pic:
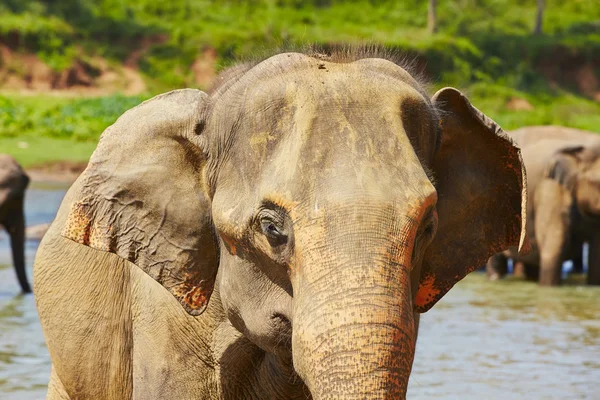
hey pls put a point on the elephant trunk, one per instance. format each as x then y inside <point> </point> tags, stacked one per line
<point>551,257</point>
<point>354,327</point>
<point>16,231</point>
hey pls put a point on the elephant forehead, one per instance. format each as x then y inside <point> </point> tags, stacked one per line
<point>321,129</point>
<point>307,96</point>
<point>368,142</point>
<point>297,78</point>
<point>362,112</point>
<point>301,66</point>
<point>333,86</point>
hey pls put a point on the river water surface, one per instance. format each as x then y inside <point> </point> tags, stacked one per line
<point>483,340</point>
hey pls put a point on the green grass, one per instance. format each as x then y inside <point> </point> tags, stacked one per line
<point>561,108</point>
<point>39,129</point>
<point>32,151</point>
<point>65,118</point>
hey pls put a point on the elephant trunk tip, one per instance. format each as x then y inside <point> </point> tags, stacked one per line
<point>22,278</point>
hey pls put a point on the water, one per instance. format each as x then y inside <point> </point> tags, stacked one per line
<point>24,360</point>
<point>509,340</point>
<point>484,340</point>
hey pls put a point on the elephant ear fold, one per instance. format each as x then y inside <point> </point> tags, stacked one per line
<point>481,185</point>
<point>142,197</point>
<point>565,164</point>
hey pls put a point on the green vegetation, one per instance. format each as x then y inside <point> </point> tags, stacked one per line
<point>61,118</point>
<point>35,151</point>
<point>483,40</point>
<point>41,129</point>
<point>483,46</point>
<point>565,109</point>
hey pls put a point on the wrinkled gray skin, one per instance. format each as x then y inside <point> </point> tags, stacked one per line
<point>13,183</point>
<point>301,190</point>
<point>563,174</point>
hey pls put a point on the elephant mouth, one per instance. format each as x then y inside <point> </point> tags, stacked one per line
<point>282,321</point>
<point>283,326</point>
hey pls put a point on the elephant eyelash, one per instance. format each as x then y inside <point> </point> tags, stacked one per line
<point>430,174</point>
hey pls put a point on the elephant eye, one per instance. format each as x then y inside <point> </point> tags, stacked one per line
<point>272,226</point>
<point>273,222</point>
<point>426,232</point>
<point>274,233</point>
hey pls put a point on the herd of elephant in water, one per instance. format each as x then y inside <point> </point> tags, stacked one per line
<point>563,209</point>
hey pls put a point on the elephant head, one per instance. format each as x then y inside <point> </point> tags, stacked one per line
<point>587,193</point>
<point>13,183</point>
<point>326,202</point>
<point>577,169</point>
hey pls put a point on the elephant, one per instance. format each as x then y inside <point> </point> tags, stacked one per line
<point>530,135</point>
<point>13,183</point>
<point>275,237</point>
<point>563,170</point>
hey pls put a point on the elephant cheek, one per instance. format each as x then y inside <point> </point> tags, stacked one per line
<point>588,198</point>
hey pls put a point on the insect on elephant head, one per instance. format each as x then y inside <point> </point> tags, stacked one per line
<point>326,201</point>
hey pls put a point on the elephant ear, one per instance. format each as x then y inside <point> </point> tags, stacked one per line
<point>565,164</point>
<point>481,185</point>
<point>142,197</point>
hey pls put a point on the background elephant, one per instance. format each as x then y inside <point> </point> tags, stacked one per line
<point>563,174</point>
<point>13,183</point>
<point>275,238</point>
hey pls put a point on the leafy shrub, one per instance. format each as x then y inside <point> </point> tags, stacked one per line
<point>78,119</point>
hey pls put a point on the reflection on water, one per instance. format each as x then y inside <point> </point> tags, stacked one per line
<point>484,340</point>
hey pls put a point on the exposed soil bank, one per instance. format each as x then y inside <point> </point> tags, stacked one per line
<point>90,76</point>
<point>65,172</point>
<point>87,76</point>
